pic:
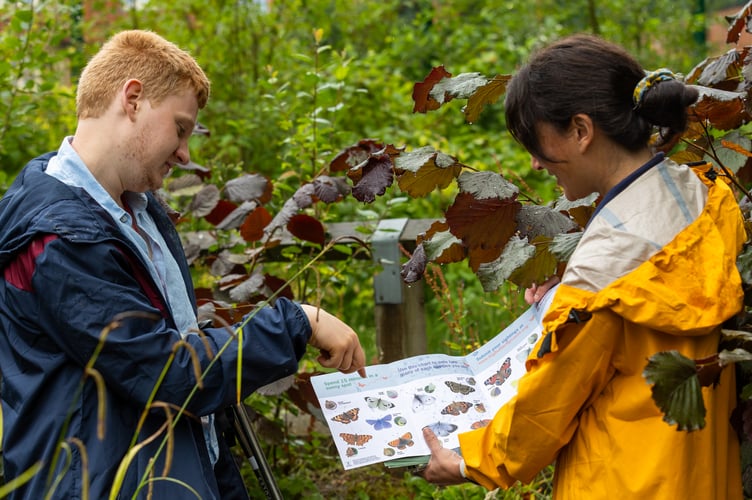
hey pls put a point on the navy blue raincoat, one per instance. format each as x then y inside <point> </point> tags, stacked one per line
<point>68,273</point>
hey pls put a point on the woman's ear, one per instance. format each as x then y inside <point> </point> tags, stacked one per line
<point>130,97</point>
<point>583,130</point>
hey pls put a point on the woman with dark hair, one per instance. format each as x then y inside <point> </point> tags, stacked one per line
<point>655,271</point>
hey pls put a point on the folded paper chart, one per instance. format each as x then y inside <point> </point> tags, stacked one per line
<point>380,418</point>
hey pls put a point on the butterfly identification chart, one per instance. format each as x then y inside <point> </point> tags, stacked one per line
<point>381,417</point>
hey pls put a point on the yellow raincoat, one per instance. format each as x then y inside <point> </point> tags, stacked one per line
<point>655,271</point>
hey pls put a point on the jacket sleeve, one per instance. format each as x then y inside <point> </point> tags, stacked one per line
<point>527,433</point>
<point>83,288</point>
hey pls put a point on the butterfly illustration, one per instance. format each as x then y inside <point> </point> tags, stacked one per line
<point>502,375</point>
<point>381,404</point>
<point>330,405</point>
<point>442,429</point>
<point>351,451</point>
<point>471,381</point>
<point>459,388</point>
<point>421,400</point>
<point>380,423</point>
<point>480,423</point>
<point>347,417</point>
<point>456,408</point>
<point>480,407</point>
<point>403,441</point>
<point>355,439</point>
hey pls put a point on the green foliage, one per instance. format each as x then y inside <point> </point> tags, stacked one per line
<point>290,84</point>
<point>39,49</point>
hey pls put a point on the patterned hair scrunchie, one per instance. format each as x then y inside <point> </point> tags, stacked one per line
<point>650,79</point>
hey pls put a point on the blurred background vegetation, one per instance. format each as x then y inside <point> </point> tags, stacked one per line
<point>296,81</point>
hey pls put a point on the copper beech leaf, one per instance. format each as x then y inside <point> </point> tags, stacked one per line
<point>579,210</point>
<point>487,94</point>
<point>423,101</point>
<point>424,170</point>
<point>249,187</point>
<point>540,220</point>
<point>255,223</point>
<point>330,189</point>
<point>185,185</point>
<point>483,215</point>
<point>440,245</point>
<point>539,267</point>
<point>235,219</point>
<point>484,226</point>
<point>563,245</point>
<point>741,21</point>
<point>205,200</point>
<point>720,72</point>
<point>483,185</point>
<point>722,109</point>
<point>280,220</point>
<point>221,211</point>
<point>372,177</point>
<point>249,288</point>
<point>355,155</point>
<point>494,273</point>
<point>307,228</point>
<point>415,267</point>
<point>676,389</point>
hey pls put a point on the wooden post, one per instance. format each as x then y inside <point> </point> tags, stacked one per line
<point>398,310</point>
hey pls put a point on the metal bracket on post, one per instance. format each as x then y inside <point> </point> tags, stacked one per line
<point>387,285</point>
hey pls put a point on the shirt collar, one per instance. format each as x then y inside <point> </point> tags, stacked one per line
<point>624,183</point>
<point>68,167</point>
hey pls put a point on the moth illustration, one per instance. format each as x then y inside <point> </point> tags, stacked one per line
<point>456,408</point>
<point>442,429</point>
<point>459,388</point>
<point>347,417</point>
<point>501,375</point>
<point>421,400</point>
<point>355,439</point>
<point>380,423</point>
<point>381,404</point>
<point>403,441</point>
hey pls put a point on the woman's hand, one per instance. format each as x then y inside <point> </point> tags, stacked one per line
<point>536,292</point>
<point>444,465</point>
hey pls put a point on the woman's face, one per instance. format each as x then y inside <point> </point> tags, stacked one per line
<point>563,160</point>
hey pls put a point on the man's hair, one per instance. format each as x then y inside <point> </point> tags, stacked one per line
<point>162,67</point>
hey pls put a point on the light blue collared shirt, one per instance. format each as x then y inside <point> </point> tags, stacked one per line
<point>68,168</point>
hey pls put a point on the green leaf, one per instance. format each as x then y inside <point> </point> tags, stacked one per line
<point>676,389</point>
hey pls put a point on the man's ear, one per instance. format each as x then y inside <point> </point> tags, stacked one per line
<point>584,130</point>
<point>131,97</point>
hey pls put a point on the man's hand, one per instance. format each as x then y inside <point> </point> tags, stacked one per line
<point>444,466</point>
<point>338,343</point>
